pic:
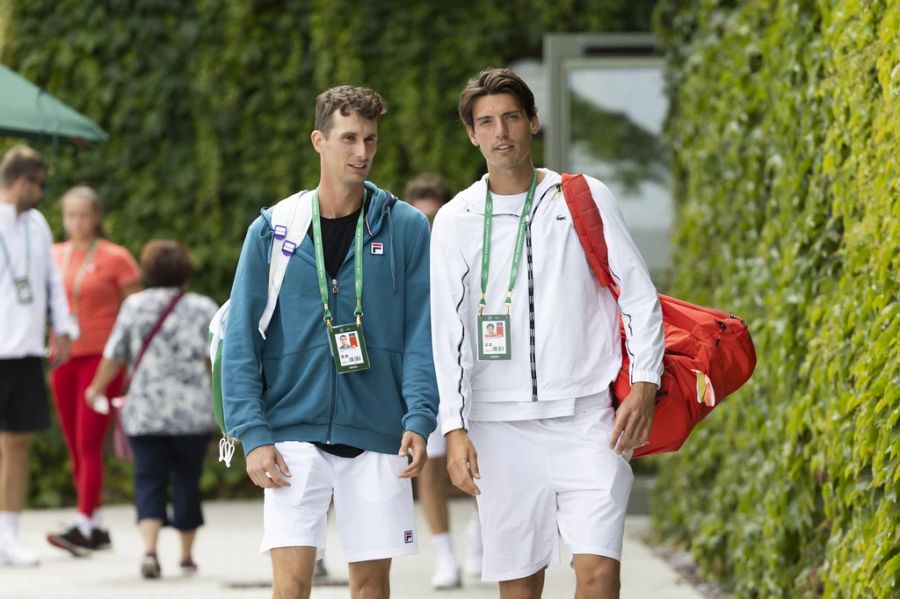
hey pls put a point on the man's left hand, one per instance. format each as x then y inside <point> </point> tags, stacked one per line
<point>416,443</point>
<point>634,418</point>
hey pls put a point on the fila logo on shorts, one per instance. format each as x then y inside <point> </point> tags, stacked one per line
<point>408,537</point>
<point>377,248</point>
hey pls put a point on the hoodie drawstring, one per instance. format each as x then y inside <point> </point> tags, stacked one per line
<point>390,221</point>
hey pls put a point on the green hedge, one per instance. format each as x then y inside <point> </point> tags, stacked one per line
<point>209,106</point>
<point>785,131</point>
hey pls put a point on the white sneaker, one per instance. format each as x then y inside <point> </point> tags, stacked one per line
<point>474,549</point>
<point>446,576</point>
<point>12,553</point>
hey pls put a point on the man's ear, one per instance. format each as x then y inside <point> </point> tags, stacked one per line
<point>19,184</point>
<point>471,133</point>
<point>317,138</point>
<point>535,125</point>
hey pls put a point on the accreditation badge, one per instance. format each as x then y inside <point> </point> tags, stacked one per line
<point>493,337</point>
<point>23,291</point>
<point>348,348</point>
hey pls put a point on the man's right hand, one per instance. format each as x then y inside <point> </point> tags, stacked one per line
<point>267,469</point>
<point>60,351</point>
<point>462,461</point>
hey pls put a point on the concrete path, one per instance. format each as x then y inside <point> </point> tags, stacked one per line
<point>231,566</point>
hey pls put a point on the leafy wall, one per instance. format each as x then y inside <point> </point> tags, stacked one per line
<point>209,106</point>
<point>785,131</point>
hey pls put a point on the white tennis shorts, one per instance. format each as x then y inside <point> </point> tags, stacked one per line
<point>543,478</point>
<point>373,508</point>
<point>437,445</point>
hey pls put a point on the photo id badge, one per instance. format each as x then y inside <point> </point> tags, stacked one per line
<point>493,337</point>
<point>23,291</point>
<point>348,347</point>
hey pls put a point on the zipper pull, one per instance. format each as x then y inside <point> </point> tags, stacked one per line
<point>334,287</point>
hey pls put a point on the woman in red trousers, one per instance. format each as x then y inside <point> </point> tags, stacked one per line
<point>97,275</point>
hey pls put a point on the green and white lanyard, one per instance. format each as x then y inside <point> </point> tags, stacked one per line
<point>79,276</point>
<point>348,347</point>
<point>23,287</point>
<point>493,329</point>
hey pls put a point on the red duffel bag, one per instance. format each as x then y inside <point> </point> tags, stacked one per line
<point>709,353</point>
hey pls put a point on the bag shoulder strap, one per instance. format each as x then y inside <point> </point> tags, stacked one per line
<point>290,221</point>
<point>589,226</point>
<point>156,328</point>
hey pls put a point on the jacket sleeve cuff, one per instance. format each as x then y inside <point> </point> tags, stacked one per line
<point>68,328</point>
<point>255,437</point>
<point>645,376</point>
<point>419,424</point>
<point>451,425</point>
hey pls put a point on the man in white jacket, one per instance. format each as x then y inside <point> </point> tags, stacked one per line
<point>30,286</point>
<point>533,397</point>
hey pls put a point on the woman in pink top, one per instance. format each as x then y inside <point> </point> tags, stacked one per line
<point>97,275</point>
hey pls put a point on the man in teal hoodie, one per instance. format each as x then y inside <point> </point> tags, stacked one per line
<point>318,421</point>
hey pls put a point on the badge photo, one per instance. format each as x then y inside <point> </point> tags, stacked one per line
<point>349,348</point>
<point>493,337</point>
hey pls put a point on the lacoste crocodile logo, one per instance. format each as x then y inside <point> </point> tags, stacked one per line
<point>560,217</point>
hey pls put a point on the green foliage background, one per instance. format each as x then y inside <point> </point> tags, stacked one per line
<point>209,106</point>
<point>785,131</point>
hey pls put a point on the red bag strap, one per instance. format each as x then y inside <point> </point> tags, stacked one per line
<point>156,327</point>
<point>589,226</point>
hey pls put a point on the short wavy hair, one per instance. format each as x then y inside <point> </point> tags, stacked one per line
<point>166,263</point>
<point>344,99</point>
<point>427,185</point>
<point>493,81</point>
<point>21,161</point>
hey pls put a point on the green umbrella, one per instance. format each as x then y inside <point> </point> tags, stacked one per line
<point>29,112</point>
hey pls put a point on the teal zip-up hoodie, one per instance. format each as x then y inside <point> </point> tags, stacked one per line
<point>285,387</point>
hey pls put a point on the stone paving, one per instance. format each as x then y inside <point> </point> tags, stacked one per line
<point>230,565</point>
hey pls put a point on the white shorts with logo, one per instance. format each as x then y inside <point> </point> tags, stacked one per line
<point>373,508</point>
<point>545,478</point>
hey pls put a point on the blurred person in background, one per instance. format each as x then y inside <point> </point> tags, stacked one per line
<point>97,275</point>
<point>429,192</point>
<point>29,287</point>
<point>161,333</point>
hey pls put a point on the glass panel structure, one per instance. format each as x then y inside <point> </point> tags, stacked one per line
<point>608,105</point>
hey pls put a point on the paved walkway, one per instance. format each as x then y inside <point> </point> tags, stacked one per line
<point>231,566</point>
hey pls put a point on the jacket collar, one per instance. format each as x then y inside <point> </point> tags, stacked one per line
<point>382,201</point>
<point>479,188</point>
<point>380,204</point>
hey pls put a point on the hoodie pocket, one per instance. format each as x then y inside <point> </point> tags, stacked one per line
<point>299,388</point>
<point>373,399</point>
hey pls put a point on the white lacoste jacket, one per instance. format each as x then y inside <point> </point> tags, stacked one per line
<point>564,327</point>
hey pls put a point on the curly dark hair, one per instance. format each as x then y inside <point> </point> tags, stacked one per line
<point>346,98</point>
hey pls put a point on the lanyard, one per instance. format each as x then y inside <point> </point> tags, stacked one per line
<point>9,265</point>
<point>79,276</point>
<point>486,242</point>
<point>320,259</point>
